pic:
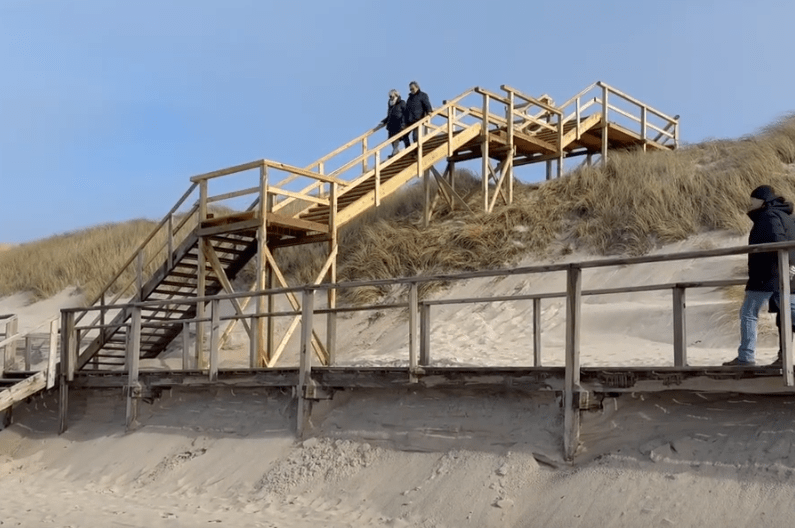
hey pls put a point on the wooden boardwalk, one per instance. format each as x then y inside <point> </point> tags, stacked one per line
<point>169,291</point>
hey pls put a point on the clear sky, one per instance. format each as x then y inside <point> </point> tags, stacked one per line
<point>107,108</point>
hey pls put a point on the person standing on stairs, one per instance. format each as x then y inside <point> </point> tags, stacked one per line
<point>770,214</point>
<point>418,105</point>
<point>395,120</point>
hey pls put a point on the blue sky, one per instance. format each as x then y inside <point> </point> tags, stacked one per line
<point>109,107</point>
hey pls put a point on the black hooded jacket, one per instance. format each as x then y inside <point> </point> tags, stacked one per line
<point>417,106</point>
<point>395,119</point>
<point>772,223</point>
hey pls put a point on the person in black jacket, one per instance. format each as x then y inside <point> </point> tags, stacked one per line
<point>770,214</point>
<point>395,120</point>
<point>418,105</point>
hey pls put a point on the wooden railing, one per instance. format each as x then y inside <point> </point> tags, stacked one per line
<point>419,329</point>
<point>600,98</point>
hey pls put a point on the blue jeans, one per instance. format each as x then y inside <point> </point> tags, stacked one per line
<point>749,315</point>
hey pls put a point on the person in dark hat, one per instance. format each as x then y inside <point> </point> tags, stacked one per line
<point>770,214</point>
<point>395,120</point>
<point>418,105</point>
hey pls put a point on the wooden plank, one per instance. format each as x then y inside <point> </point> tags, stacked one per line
<point>296,223</point>
<point>225,172</point>
<point>212,256</point>
<point>23,389</point>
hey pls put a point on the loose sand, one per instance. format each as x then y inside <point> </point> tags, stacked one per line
<point>428,457</point>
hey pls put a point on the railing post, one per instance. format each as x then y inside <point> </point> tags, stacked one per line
<point>215,314</point>
<point>263,275</point>
<point>203,201</point>
<point>364,152</point>
<point>785,314</point>
<point>139,274</point>
<point>511,147</point>
<point>425,334</point>
<point>170,241</point>
<point>377,179</point>
<point>536,332</point>
<point>561,153</point>
<point>643,127</point>
<point>253,344</point>
<point>484,134</point>
<point>67,339</point>
<point>10,348</point>
<point>331,294</point>
<point>680,328</point>
<point>571,393</point>
<point>450,118</point>
<point>52,356</point>
<point>186,363</point>
<point>413,341</point>
<point>305,361</point>
<point>133,361</point>
<point>28,351</point>
<point>604,124</point>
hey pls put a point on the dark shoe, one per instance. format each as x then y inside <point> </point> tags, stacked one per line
<point>736,362</point>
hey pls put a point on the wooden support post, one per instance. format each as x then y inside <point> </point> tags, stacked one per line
<point>484,141</point>
<point>413,341</point>
<point>10,348</point>
<point>133,361</point>
<point>139,276</point>
<point>170,241</point>
<point>549,170</point>
<point>426,182</point>
<point>63,404</point>
<point>263,276</point>
<point>536,332</point>
<point>643,127</point>
<point>69,346</point>
<point>364,154</point>
<point>52,355</point>
<point>451,175</point>
<point>305,361</point>
<point>215,329</point>
<point>508,166</point>
<point>201,290</point>
<point>425,334</point>
<point>571,393</point>
<point>561,153</point>
<point>67,331</point>
<point>186,346</point>
<point>680,328</point>
<point>785,314</point>
<point>253,351</point>
<point>377,190</point>
<point>28,352</point>
<point>605,116</point>
<point>450,121</point>
<point>331,293</point>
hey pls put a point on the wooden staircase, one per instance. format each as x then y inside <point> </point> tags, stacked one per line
<point>523,129</point>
